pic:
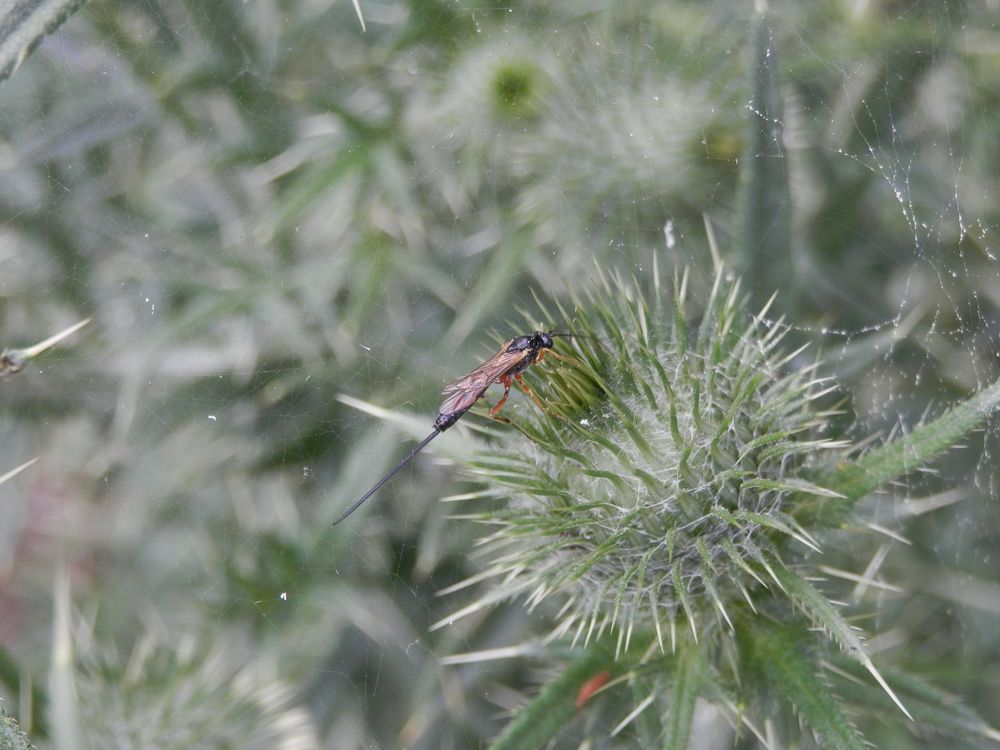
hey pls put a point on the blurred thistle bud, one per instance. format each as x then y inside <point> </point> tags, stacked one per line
<point>187,697</point>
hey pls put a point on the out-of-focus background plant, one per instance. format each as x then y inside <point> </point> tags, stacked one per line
<point>263,208</point>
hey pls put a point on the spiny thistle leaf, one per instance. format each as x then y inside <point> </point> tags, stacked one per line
<point>687,686</point>
<point>546,715</point>
<point>931,707</point>
<point>821,611</point>
<point>775,654</point>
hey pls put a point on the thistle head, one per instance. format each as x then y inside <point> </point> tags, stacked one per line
<point>661,485</point>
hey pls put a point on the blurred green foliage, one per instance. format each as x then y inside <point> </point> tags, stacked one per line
<point>262,208</point>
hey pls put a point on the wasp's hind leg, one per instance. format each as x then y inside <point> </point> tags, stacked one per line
<point>505,381</point>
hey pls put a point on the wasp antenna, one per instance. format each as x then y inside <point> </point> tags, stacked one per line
<point>378,485</point>
<point>574,335</point>
<point>589,336</point>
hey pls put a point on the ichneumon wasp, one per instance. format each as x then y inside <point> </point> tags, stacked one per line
<point>504,367</point>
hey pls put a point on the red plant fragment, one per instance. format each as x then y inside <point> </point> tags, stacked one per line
<point>590,687</point>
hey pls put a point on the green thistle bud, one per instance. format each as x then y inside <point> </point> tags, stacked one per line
<point>660,487</point>
<point>665,499</point>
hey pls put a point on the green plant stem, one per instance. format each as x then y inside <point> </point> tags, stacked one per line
<point>764,198</point>
<point>896,459</point>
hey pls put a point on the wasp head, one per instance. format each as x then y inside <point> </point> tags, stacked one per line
<point>536,341</point>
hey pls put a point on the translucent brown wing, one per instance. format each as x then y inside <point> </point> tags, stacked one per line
<point>458,397</point>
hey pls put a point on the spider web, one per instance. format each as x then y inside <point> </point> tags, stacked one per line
<point>266,210</point>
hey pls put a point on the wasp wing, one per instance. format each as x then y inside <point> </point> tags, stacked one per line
<point>458,397</point>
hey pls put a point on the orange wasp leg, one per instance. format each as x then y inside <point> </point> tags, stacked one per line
<point>505,381</point>
<point>542,354</point>
<point>528,392</point>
